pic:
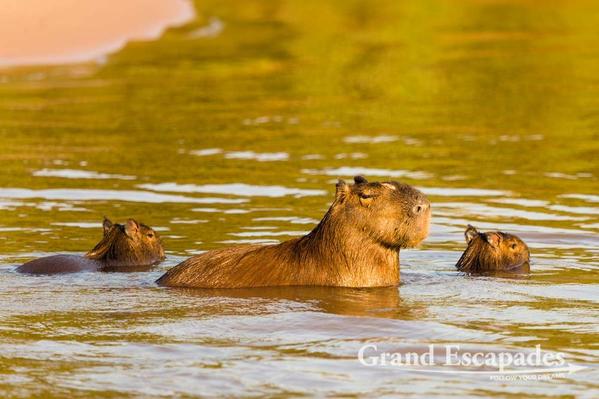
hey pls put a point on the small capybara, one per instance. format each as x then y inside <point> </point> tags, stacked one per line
<point>122,248</point>
<point>493,252</point>
<point>356,244</point>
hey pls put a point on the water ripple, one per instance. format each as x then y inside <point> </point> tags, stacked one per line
<point>241,189</point>
<point>75,194</point>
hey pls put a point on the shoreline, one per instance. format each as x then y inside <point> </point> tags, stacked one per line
<point>38,32</point>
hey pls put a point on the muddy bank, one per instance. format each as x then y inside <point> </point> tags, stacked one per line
<point>34,32</point>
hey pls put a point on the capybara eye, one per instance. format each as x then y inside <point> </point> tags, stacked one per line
<point>365,196</point>
<point>514,246</point>
<point>150,235</point>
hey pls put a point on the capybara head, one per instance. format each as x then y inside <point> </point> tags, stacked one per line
<point>493,251</point>
<point>128,244</point>
<point>393,214</point>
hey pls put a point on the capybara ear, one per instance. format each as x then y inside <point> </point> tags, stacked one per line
<point>470,233</point>
<point>360,180</point>
<point>493,238</point>
<point>341,190</point>
<point>131,228</point>
<point>106,225</point>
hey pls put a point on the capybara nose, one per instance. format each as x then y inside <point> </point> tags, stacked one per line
<point>421,207</point>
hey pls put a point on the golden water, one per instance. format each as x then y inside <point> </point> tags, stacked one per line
<point>234,129</point>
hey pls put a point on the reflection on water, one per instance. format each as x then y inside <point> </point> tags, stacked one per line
<point>79,174</point>
<point>242,189</point>
<point>235,128</point>
<point>109,195</point>
<point>353,171</point>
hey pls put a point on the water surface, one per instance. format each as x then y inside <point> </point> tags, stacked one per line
<point>234,129</point>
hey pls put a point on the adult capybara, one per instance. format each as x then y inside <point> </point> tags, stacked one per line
<point>356,244</point>
<point>493,252</point>
<point>122,248</point>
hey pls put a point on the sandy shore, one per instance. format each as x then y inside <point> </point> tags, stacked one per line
<point>63,31</point>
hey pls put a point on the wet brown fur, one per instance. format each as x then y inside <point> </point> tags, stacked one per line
<point>493,252</point>
<point>122,248</point>
<point>128,245</point>
<point>356,244</point>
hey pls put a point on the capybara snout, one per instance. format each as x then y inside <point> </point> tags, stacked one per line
<point>397,213</point>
